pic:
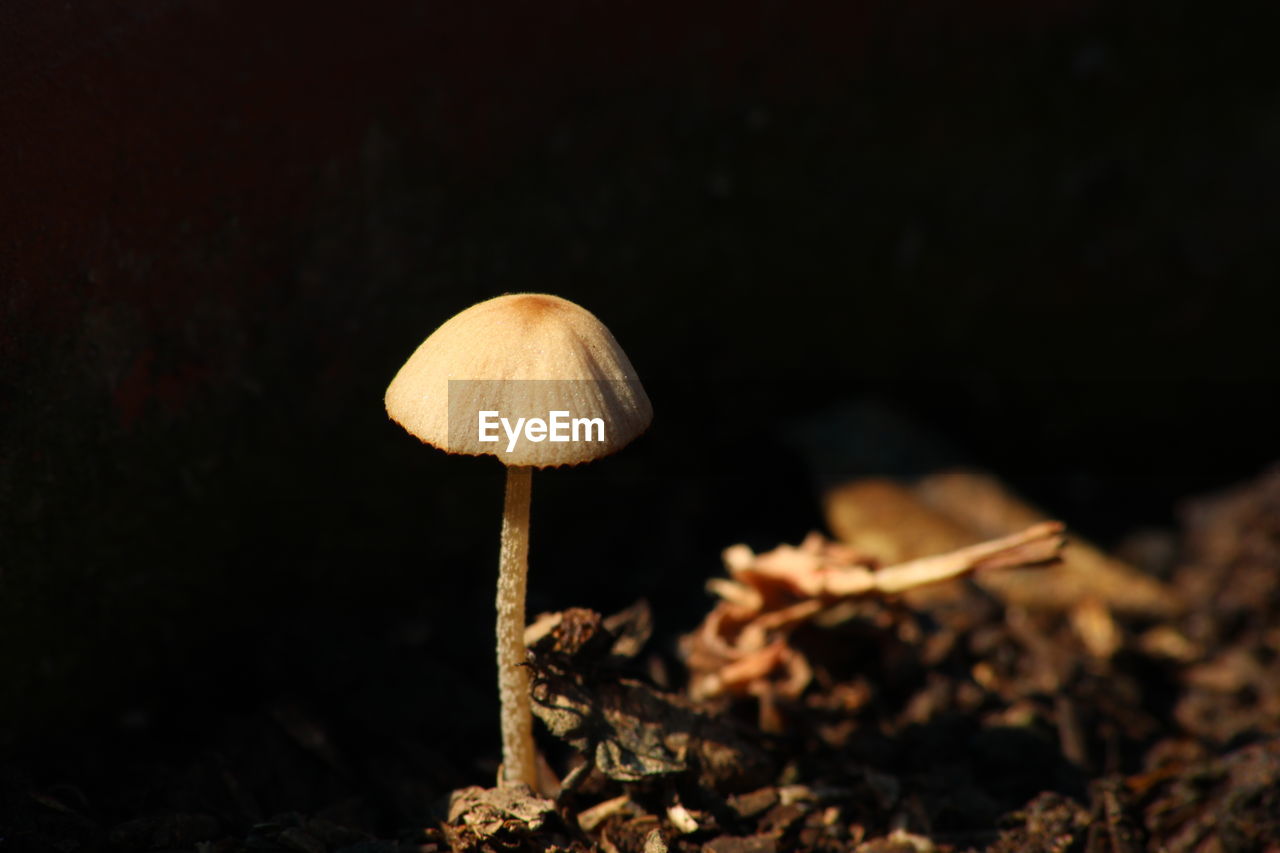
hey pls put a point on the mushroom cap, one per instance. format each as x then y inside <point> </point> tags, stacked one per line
<point>523,355</point>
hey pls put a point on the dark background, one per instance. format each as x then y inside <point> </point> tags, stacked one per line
<point>834,238</point>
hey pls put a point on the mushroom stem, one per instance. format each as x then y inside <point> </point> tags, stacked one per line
<point>518,756</point>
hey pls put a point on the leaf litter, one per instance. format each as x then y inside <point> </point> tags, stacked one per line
<point>949,674</point>
<point>1023,692</point>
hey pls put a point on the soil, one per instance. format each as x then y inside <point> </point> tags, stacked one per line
<point>956,721</point>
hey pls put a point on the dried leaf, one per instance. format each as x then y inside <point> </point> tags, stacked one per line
<point>982,504</point>
<point>742,646</point>
<point>498,817</point>
<point>626,729</point>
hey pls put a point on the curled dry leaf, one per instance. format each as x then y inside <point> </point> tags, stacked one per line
<point>742,646</point>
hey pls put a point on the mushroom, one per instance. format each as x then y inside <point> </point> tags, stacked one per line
<point>537,381</point>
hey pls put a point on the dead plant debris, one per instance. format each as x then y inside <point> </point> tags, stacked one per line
<point>626,729</point>
<point>502,818</point>
<point>853,695</point>
<point>743,648</point>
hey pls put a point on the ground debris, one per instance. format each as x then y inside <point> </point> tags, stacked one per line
<point>164,832</point>
<point>626,729</point>
<point>952,509</point>
<point>1233,800</point>
<point>741,844</point>
<point>743,646</point>
<point>898,841</point>
<point>949,718</point>
<point>298,833</point>
<point>1232,649</point>
<point>503,818</point>
<point>754,803</point>
<point>1112,828</point>
<point>1050,823</point>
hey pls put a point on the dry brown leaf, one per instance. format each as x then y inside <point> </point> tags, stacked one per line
<point>742,646</point>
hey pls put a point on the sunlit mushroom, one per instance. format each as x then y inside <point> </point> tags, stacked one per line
<point>536,381</point>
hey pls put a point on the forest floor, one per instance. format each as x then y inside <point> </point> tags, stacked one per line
<point>841,695</point>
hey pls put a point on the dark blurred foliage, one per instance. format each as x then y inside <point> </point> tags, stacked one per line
<point>834,239</point>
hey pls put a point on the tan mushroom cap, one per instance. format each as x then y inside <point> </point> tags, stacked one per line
<point>524,355</point>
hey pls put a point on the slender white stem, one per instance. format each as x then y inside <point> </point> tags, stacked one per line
<point>519,758</point>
